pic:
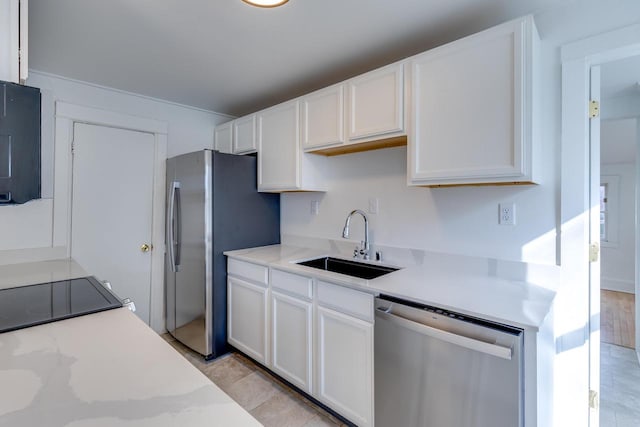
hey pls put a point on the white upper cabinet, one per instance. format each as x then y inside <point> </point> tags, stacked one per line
<point>244,135</point>
<point>13,40</point>
<point>223,138</point>
<point>281,164</point>
<point>323,118</point>
<point>375,104</point>
<point>278,143</point>
<point>472,109</point>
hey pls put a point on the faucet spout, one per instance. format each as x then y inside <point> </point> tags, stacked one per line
<point>364,251</point>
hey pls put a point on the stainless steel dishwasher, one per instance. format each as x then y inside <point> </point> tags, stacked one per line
<point>437,368</point>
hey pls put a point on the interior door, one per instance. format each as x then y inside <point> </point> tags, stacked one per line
<point>111,211</point>
<point>594,241</point>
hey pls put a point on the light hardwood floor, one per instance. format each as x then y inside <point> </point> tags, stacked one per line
<point>269,400</point>
<point>619,368</point>
<point>617,318</point>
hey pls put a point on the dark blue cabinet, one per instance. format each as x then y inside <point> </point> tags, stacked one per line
<point>19,143</point>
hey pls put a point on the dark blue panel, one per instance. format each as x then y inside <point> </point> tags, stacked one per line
<point>242,218</point>
<point>19,143</point>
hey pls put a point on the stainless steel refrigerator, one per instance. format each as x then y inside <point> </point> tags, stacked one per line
<point>212,206</point>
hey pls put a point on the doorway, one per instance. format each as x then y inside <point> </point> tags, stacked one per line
<point>619,177</point>
<point>72,124</point>
<point>580,213</point>
<point>111,208</point>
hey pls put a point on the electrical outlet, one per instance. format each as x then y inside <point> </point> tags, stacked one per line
<point>315,207</point>
<point>507,214</point>
<point>374,205</point>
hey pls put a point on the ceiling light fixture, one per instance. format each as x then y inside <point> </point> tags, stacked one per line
<point>266,3</point>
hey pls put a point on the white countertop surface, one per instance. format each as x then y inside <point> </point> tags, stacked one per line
<point>105,370</point>
<point>491,289</point>
<point>29,273</point>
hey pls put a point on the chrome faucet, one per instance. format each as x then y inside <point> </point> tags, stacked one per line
<point>358,252</point>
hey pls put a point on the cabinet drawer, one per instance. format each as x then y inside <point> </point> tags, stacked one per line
<point>292,283</point>
<point>255,272</point>
<point>345,300</point>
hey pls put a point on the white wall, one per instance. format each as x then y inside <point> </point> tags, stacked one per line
<point>618,165</point>
<point>455,220</point>
<point>27,229</point>
<point>618,255</point>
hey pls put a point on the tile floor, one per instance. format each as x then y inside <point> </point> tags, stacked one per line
<point>268,399</point>
<point>619,387</point>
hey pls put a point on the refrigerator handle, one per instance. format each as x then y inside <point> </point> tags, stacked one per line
<point>178,238</point>
<point>171,226</point>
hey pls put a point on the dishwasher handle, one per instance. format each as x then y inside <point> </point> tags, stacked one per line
<point>460,340</point>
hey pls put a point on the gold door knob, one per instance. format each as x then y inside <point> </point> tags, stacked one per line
<point>145,247</point>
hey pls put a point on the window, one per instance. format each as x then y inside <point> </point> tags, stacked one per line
<point>609,201</point>
<point>603,212</point>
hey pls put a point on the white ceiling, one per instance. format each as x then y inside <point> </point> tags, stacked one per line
<point>229,57</point>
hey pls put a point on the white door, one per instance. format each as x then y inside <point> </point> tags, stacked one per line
<point>345,365</point>
<point>594,239</point>
<point>376,103</point>
<point>323,117</point>
<point>223,137</point>
<point>112,199</point>
<point>291,339</point>
<point>279,147</point>
<point>247,318</point>
<point>244,134</point>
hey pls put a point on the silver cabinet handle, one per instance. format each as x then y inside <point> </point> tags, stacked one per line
<point>460,340</point>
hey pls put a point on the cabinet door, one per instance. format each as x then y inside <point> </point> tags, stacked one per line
<point>279,147</point>
<point>323,118</point>
<point>223,138</point>
<point>291,339</point>
<point>345,365</point>
<point>376,103</point>
<point>247,318</point>
<point>13,40</point>
<point>244,135</point>
<point>472,109</point>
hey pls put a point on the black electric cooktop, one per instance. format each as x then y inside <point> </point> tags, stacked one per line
<point>32,305</point>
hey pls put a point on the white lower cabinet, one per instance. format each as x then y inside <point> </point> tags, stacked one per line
<point>315,334</point>
<point>247,318</point>
<point>345,365</point>
<point>292,321</point>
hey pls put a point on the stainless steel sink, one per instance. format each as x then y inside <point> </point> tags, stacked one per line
<point>350,268</point>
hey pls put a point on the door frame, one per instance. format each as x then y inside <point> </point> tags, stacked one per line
<point>577,58</point>
<point>66,115</point>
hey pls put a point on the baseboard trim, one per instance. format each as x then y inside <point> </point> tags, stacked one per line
<point>619,285</point>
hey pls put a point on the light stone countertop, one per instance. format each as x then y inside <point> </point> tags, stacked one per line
<point>507,292</point>
<point>29,273</point>
<point>106,369</point>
